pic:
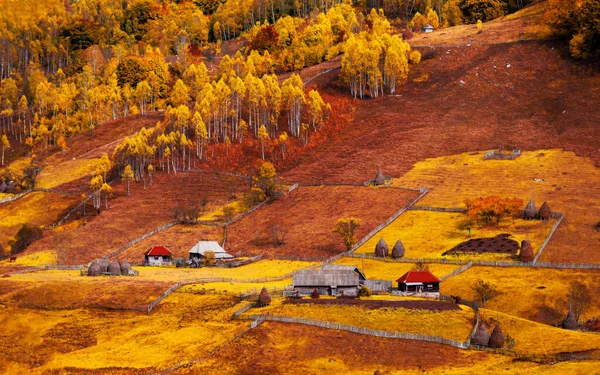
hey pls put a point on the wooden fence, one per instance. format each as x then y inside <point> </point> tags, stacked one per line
<point>240,262</point>
<point>438,209</point>
<point>456,271</point>
<point>359,330</point>
<point>140,238</point>
<point>173,288</point>
<point>423,191</point>
<point>15,197</point>
<point>242,310</point>
<point>560,219</point>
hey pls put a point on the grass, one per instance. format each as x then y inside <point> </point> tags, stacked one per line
<point>308,215</point>
<point>540,339</point>
<point>536,294</point>
<point>34,209</point>
<point>67,171</point>
<point>456,324</point>
<point>381,270</point>
<point>260,269</point>
<point>427,234</point>
<point>185,327</point>
<point>566,187</point>
<point>526,24</point>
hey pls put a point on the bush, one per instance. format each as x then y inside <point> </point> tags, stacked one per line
<point>414,57</point>
<point>25,237</point>
<point>315,294</point>
<point>364,292</point>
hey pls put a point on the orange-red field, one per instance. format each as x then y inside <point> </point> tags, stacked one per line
<point>309,214</point>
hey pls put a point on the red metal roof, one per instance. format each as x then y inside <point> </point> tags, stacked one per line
<point>418,277</point>
<point>159,250</point>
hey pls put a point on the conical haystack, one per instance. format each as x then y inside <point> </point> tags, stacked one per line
<point>103,263</point>
<point>481,337</point>
<point>377,372</point>
<point>114,268</point>
<point>381,249</point>
<point>125,267</point>
<point>497,337</point>
<point>569,322</point>
<point>379,178</point>
<point>264,298</point>
<point>530,211</point>
<point>526,254</point>
<point>94,270</point>
<point>545,212</point>
<point>315,294</point>
<point>398,250</point>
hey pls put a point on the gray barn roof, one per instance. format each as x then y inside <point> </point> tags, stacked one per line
<point>341,267</point>
<point>327,278</point>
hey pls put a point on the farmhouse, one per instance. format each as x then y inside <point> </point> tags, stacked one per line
<point>201,248</point>
<point>335,279</point>
<point>157,256</point>
<point>427,28</point>
<point>330,282</point>
<point>419,283</point>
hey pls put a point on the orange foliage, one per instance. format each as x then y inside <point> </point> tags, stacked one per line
<point>492,209</point>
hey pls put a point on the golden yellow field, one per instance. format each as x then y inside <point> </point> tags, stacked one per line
<point>183,327</point>
<point>541,339</point>
<point>380,270</point>
<point>256,270</point>
<point>234,288</point>
<point>34,209</point>
<point>566,182</point>
<point>538,294</point>
<point>452,324</point>
<point>66,171</point>
<point>427,234</point>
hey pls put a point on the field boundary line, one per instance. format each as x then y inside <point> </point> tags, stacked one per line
<point>15,197</point>
<point>456,271</point>
<point>539,253</point>
<point>372,233</point>
<point>359,330</point>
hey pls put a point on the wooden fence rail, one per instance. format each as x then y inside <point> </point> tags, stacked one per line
<point>15,197</point>
<point>140,238</point>
<point>437,209</point>
<point>360,330</point>
<point>560,219</point>
<point>456,271</point>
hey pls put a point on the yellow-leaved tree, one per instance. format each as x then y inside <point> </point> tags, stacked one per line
<point>346,227</point>
<point>127,176</point>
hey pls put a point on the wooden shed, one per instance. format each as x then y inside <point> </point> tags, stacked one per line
<point>330,282</point>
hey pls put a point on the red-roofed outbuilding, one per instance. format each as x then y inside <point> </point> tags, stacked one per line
<point>416,282</point>
<point>158,255</point>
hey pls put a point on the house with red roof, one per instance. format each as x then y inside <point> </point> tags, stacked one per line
<point>158,255</point>
<point>419,283</point>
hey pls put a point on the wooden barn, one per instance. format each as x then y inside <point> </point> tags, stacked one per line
<point>201,248</point>
<point>419,283</point>
<point>158,256</point>
<point>332,282</point>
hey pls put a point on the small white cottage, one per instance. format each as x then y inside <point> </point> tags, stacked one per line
<point>427,28</point>
<point>202,247</point>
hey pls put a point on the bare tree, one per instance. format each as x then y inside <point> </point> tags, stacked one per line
<point>579,298</point>
<point>485,291</point>
<point>278,234</point>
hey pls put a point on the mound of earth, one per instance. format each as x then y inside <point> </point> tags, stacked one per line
<point>501,244</point>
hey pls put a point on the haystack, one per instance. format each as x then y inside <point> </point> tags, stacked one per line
<point>481,337</point>
<point>264,298</point>
<point>530,211</point>
<point>103,263</point>
<point>377,372</point>
<point>94,270</point>
<point>114,268</point>
<point>569,322</point>
<point>398,250</point>
<point>526,254</point>
<point>3,187</point>
<point>497,337</point>
<point>125,267</point>
<point>379,178</point>
<point>545,212</point>
<point>315,294</point>
<point>381,249</point>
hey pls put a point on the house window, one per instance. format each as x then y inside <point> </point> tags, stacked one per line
<point>429,286</point>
